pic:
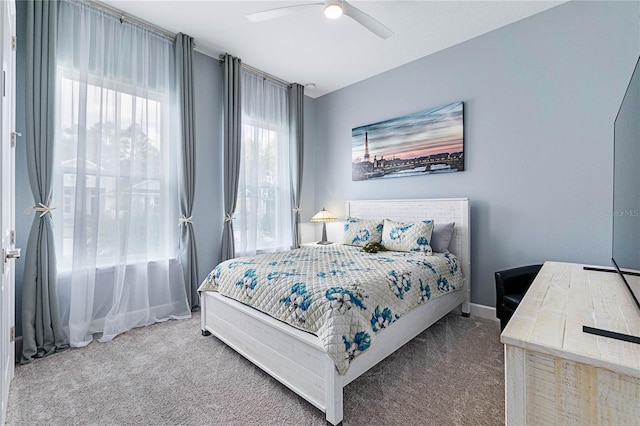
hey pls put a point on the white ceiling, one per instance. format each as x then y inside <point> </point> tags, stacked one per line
<point>305,47</point>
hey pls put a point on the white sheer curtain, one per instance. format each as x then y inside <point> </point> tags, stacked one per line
<point>115,176</point>
<point>262,221</point>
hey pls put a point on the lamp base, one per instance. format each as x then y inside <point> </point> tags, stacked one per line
<point>324,241</point>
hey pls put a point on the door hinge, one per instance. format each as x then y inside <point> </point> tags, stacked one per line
<point>13,42</point>
<point>12,334</point>
<point>13,138</point>
<point>12,237</point>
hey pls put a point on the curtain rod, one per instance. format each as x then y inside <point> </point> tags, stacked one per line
<point>132,19</point>
<point>265,74</point>
<point>259,72</point>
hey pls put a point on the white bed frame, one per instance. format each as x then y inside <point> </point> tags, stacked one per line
<point>296,358</point>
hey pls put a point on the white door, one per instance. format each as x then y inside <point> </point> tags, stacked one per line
<point>7,173</point>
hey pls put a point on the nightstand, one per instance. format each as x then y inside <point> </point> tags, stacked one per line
<point>315,244</point>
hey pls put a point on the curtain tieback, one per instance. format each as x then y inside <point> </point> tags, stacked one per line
<point>228,218</point>
<point>44,209</point>
<point>184,220</point>
<point>297,209</point>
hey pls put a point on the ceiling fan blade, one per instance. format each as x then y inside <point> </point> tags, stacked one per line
<point>266,15</point>
<point>366,21</point>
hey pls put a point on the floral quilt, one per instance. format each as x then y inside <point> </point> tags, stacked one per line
<point>340,294</point>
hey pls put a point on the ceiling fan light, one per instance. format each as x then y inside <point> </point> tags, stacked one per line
<point>333,11</point>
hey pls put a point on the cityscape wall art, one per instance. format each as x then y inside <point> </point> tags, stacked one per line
<point>422,143</point>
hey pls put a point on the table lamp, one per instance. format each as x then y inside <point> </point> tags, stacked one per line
<point>324,217</point>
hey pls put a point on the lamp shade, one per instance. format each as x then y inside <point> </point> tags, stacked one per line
<point>323,216</point>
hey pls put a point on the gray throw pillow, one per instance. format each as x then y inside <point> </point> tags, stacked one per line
<point>441,236</point>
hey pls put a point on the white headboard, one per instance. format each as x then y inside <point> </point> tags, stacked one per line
<point>442,210</point>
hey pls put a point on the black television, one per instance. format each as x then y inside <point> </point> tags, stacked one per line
<point>626,199</point>
<point>626,178</point>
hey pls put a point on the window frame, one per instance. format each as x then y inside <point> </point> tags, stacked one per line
<point>259,125</point>
<point>167,189</point>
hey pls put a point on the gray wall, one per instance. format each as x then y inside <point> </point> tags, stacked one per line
<point>540,99</point>
<point>307,196</point>
<point>208,205</point>
<point>207,210</point>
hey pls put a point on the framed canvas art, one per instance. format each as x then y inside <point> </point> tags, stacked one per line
<point>422,143</point>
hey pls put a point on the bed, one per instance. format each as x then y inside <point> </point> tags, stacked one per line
<point>299,359</point>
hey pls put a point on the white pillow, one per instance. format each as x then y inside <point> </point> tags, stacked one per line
<point>360,232</point>
<point>411,237</point>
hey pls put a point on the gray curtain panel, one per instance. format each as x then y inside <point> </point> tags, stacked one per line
<point>41,327</point>
<point>232,121</point>
<point>296,143</point>
<point>187,174</point>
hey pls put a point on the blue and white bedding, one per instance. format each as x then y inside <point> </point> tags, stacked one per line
<point>340,294</point>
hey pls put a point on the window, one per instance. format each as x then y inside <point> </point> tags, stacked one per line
<point>111,171</point>
<point>263,212</point>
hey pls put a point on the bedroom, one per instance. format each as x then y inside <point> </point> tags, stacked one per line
<point>540,106</point>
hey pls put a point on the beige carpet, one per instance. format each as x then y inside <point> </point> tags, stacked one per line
<point>168,374</point>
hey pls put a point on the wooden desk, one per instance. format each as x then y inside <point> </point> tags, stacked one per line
<point>557,374</point>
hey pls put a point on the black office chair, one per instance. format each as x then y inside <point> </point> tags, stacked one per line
<point>511,285</point>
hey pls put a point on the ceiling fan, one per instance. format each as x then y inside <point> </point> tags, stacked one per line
<point>332,10</point>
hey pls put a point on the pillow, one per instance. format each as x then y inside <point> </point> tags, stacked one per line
<point>360,232</point>
<point>416,237</point>
<point>441,236</point>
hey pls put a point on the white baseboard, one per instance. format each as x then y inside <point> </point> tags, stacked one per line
<point>483,311</point>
